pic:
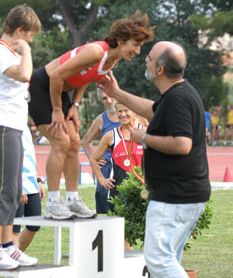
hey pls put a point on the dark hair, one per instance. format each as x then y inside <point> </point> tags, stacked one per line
<point>21,16</point>
<point>135,27</point>
<point>172,66</point>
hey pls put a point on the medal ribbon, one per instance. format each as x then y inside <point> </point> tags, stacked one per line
<point>124,145</point>
<point>128,153</point>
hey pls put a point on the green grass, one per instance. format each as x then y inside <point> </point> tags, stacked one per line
<point>211,254</point>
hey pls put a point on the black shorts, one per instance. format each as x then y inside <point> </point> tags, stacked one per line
<point>101,194</point>
<point>40,107</point>
<point>32,208</point>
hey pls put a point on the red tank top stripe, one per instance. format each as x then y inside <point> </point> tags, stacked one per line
<point>92,74</point>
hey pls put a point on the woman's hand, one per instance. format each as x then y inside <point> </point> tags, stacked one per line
<point>20,46</point>
<point>24,198</point>
<point>58,124</point>
<point>42,190</point>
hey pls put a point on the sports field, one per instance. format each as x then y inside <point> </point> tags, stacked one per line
<point>211,254</point>
<point>219,158</point>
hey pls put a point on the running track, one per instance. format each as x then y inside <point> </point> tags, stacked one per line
<point>219,158</point>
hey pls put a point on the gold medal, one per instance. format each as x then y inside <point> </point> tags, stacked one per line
<point>144,194</point>
<point>127,162</point>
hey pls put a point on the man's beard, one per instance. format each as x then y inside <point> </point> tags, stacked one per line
<point>150,76</point>
<point>111,110</point>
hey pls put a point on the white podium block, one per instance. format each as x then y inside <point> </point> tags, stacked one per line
<point>96,246</point>
<point>100,248</point>
<point>39,271</point>
<point>134,265</point>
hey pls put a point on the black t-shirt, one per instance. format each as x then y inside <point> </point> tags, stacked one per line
<point>178,178</point>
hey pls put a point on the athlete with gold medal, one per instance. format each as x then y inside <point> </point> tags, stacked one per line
<point>126,154</point>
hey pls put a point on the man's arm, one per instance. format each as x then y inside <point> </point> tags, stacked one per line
<point>92,133</point>
<point>173,145</point>
<point>139,105</point>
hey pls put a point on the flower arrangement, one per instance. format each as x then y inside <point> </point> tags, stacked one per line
<point>131,203</point>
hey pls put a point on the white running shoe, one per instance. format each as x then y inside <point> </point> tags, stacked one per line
<point>80,209</point>
<point>58,210</point>
<point>20,257</point>
<point>6,262</point>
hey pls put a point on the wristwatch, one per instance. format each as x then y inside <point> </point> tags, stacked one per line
<point>76,104</point>
<point>144,145</point>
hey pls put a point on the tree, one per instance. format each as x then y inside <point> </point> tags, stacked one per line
<point>70,23</point>
<point>173,22</point>
<point>79,28</point>
<point>219,22</point>
<point>204,68</point>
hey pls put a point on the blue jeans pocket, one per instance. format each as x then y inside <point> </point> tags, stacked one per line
<point>188,212</point>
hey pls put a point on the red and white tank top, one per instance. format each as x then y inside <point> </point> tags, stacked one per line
<point>88,75</point>
<point>119,155</point>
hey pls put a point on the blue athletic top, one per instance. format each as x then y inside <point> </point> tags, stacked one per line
<point>107,126</point>
<point>207,119</point>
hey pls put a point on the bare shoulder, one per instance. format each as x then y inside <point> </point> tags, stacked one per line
<point>94,50</point>
<point>98,122</point>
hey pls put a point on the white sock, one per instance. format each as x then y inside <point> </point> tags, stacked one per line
<point>53,196</point>
<point>71,196</point>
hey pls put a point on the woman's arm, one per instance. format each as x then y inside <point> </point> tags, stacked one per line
<point>104,144</point>
<point>87,57</point>
<point>73,110</point>
<point>23,71</point>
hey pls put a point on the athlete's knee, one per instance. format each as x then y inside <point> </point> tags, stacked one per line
<point>75,144</point>
<point>61,145</point>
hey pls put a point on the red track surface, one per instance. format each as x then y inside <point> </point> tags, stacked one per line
<point>219,158</point>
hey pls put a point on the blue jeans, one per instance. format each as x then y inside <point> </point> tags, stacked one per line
<point>168,227</point>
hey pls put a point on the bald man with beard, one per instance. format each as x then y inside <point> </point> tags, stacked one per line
<point>175,160</point>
